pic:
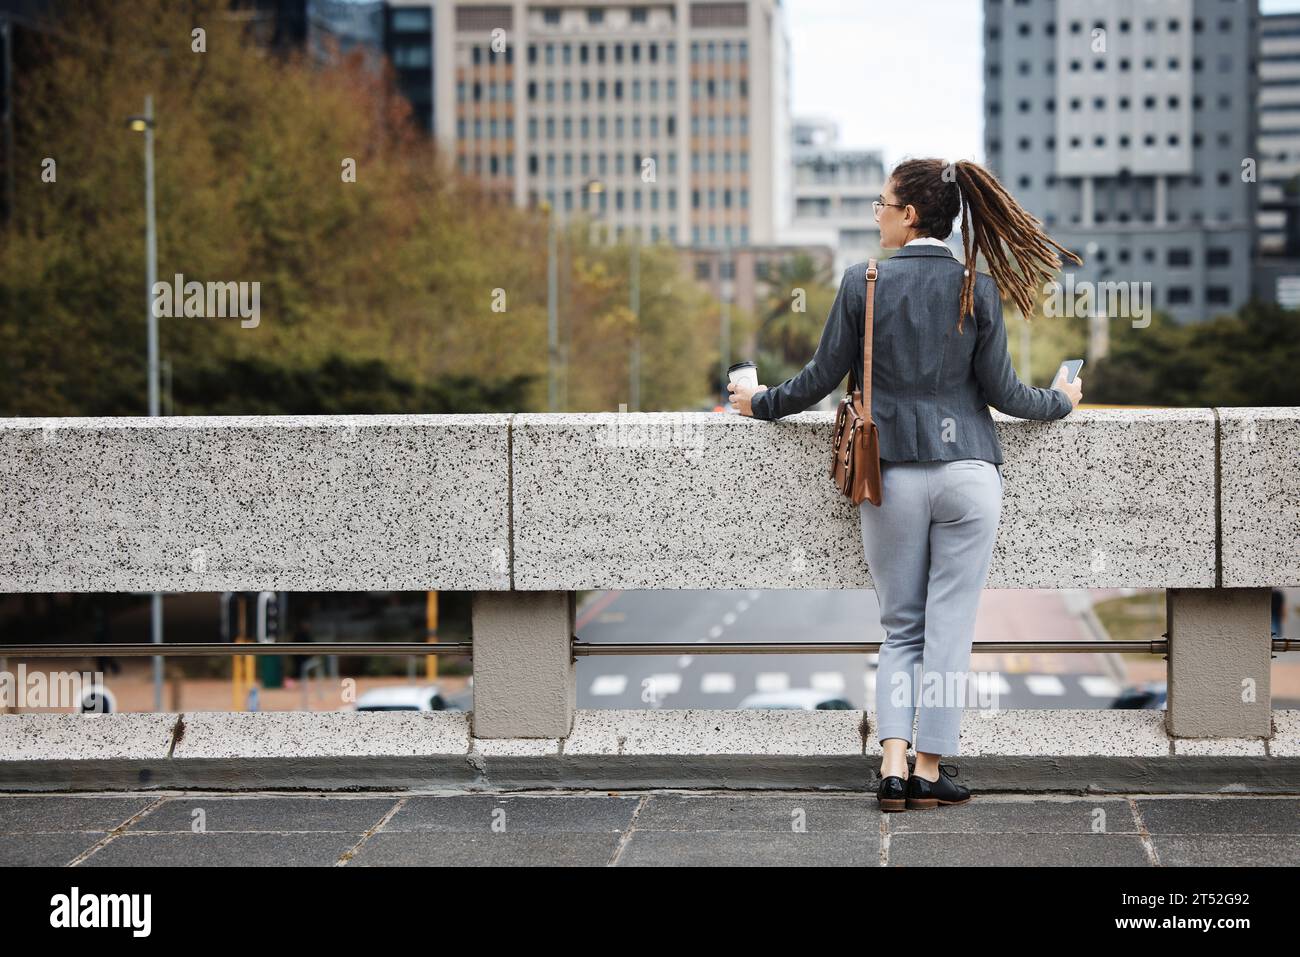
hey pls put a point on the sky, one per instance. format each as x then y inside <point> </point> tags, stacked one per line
<point>902,77</point>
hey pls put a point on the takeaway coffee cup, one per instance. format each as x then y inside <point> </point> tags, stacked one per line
<point>742,373</point>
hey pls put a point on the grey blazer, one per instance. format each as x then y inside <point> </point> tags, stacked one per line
<point>930,386</point>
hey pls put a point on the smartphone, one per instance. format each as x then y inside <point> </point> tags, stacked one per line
<point>1072,367</point>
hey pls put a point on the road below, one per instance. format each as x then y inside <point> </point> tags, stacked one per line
<point>1030,680</point>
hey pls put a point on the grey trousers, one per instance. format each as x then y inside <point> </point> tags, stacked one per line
<point>928,546</point>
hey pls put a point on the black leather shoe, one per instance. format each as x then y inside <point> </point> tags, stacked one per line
<point>891,795</point>
<point>925,795</point>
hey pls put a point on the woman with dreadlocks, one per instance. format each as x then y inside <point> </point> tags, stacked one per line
<point>929,543</point>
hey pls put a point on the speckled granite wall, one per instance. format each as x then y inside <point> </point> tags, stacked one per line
<point>315,503</point>
<point>699,500</point>
<point>1259,462</point>
<point>1103,498</point>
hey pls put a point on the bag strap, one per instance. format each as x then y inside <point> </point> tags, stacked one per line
<point>868,333</point>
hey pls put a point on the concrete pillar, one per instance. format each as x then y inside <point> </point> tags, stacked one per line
<point>524,677</point>
<point>1220,656</point>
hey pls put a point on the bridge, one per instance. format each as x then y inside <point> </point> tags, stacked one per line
<point>526,509</point>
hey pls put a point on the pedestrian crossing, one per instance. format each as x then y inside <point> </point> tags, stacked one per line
<point>718,688</point>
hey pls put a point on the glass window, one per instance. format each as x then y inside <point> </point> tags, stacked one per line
<point>412,20</point>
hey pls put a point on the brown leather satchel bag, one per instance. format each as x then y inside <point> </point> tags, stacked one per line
<point>855,453</point>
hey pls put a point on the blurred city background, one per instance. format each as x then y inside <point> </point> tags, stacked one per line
<point>599,206</point>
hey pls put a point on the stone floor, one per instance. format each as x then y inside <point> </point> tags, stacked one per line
<point>627,828</point>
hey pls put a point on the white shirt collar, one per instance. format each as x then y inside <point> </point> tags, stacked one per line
<point>929,241</point>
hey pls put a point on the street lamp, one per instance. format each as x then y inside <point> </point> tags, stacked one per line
<point>552,319</point>
<point>596,187</point>
<point>145,124</point>
<point>634,294</point>
<point>726,289</point>
<point>591,186</point>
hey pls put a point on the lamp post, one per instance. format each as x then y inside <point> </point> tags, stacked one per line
<point>145,124</point>
<point>552,324</point>
<point>552,296</point>
<point>1099,323</point>
<point>726,290</point>
<point>634,281</point>
<point>7,28</point>
<point>595,187</point>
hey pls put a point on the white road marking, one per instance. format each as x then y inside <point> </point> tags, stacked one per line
<point>988,683</point>
<point>1044,684</point>
<point>772,681</point>
<point>1099,686</point>
<point>718,682</point>
<point>827,680</point>
<point>666,683</point>
<point>609,684</point>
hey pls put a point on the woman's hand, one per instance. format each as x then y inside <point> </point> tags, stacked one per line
<point>1072,389</point>
<point>741,396</point>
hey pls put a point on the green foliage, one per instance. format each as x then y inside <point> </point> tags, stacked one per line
<point>338,385</point>
<point>389,288</point>
<point>1231,360</point>
<point>792,317</point>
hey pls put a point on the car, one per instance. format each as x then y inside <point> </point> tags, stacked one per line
<point>403,698</point>
<point>796,699</point>
<point>461,702</point>
<point>1150,694</point>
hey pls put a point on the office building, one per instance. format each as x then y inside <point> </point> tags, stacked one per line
<point>1277,268</point>
<point>833,189</point>
<point>669,118</point>
<point>1128,129</point>
<point>410,29</point>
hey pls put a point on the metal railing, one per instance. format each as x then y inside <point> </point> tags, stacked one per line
<point>1153,646</point>
<point>224,649</point>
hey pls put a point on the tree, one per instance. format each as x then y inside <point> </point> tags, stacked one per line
<point>412,272</point>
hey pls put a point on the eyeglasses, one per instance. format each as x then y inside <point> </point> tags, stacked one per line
<point>879,204</point>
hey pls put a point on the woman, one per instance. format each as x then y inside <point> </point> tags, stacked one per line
<point>934,375</point>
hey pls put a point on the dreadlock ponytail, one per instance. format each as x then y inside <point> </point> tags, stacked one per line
<point>991,219</point>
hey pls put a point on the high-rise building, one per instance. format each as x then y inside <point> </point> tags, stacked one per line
<point>345,25</point>
<point>670,118</point>
<point>410,28</point>
<point>834,188</point>
<point>1129,129</point>
<point>1279,125</point>
<point>278,25</point>
<point>1277,270</point>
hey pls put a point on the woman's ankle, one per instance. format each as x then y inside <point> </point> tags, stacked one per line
<point>928,769</point>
